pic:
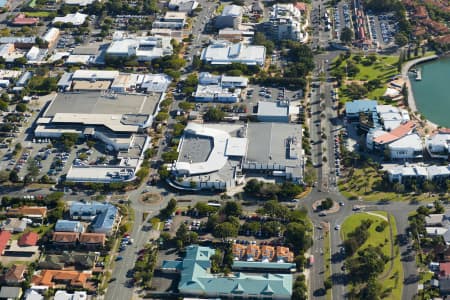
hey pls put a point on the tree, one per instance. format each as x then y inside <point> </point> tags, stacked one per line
<point>169,210</point>
<point>170,156</point>
<point>90,143</point>
<point>69,139</point>
<point>20,61</point>
<point>3,105</point>
<point>326,204</point>
<point>346,35</point>
<point>13,176</point>
<point>273,208</point>
<point>204,209</point>
<point>225,229</point>
<point>260,39</point>
<point>401,39</point>
<point>438,207</point>
<point>297,235</point>
<point>162,116</point>
<point>300,261</point>
<point>184,237</point>
<point>186,106</point>
<point>232,208</point>
<point>214,114</point>
<point>372,290</point>
<point>21,107</point>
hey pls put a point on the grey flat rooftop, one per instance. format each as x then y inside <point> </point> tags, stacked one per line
<point>94,103</point>
<point>195,148</point>
<point>268,143</point>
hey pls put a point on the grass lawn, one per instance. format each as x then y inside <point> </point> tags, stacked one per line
<point>365,183</point>
<point>384,68</point>
<point>390,278</point>
<point>38,14</point>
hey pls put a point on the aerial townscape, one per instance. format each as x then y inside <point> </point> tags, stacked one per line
<point>242,149</point>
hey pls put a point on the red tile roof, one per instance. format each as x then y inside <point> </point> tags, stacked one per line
<point>93,238</point>
<point>48,277</point>
<point>4,239</point>
<point>28,239</point>
<point>444,269</point>
<point>15,274</point>
<point>300,6</point>
<point>396,133</point>
<point>421,12</point>
<point>22,19</point>
<point>65,237</point>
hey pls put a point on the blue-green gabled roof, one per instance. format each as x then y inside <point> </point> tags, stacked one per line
<point>196,278</point>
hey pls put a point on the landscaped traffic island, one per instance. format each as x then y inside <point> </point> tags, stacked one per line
<point>372,257</point>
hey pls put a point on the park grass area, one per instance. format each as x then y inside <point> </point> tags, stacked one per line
<point>392,276</point>
<point>37,14</point>
<point>384,68</point>
<point>365,183</point>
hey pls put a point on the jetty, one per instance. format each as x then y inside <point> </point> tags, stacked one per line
<point>418,75</point>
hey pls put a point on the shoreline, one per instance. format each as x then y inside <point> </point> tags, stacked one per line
<point>411,100</point>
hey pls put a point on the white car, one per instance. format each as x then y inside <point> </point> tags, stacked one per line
<point>337,227</point>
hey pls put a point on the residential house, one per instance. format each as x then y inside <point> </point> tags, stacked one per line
<point>253,252</point>
<point>69,226</point>
<point>92,240</point>
<point>64,295</point>
<point>31,294</point>
<point>4,240</point>
<point>28,239</point>
<point>15,275</point>
<point>53,278</point>
<point>34,213</point>
<point>10,293</point>
<point>62,238</point>
<point>238,251</point>
<point>14,225</point>
<point>283,254</point>
<point>444,269</point>
<point>434,220</point>
<point>104,216</point>
<point>15,250</point>
<point>421,12</point>
<point>267,253</point>
<point>78,260</point>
